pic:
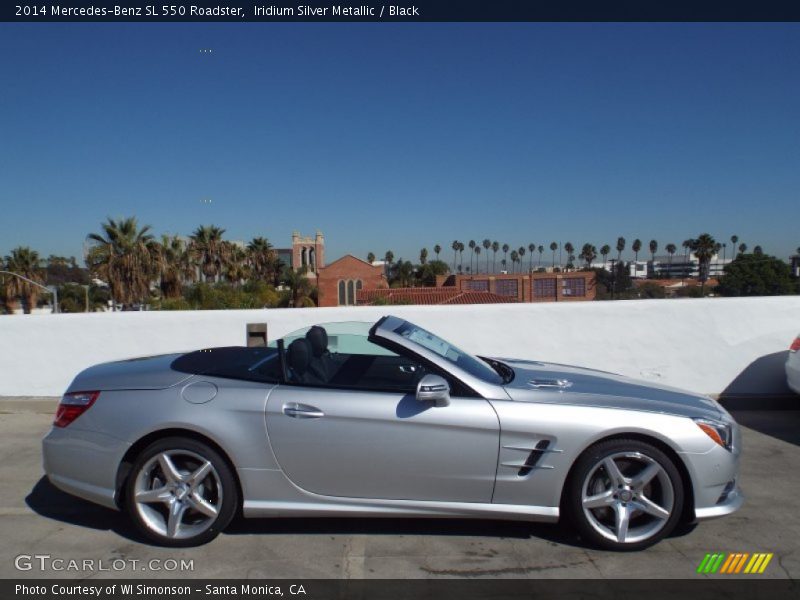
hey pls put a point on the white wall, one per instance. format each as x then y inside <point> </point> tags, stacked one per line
<point>698,344</point>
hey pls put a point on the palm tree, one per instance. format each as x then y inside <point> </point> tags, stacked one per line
<point>734,240</point>
<point>514,259</point>
<point>620,248</point>
<point>758,250</point>
<point>521,253</point>
<point>724,252</point>
<point>553,248</point>
<point>370,257</point>
<point>389,259</point>
<point>605,250</point>
<point>704,248</point>
<point>25,262</point>
<point>487,244</point>
<point>454,246</point>
<point>531,249</point>
<point>671,249</point>
<point>686,245</point>
<point>209,250</point>
<point>471,247</point>
<point>236,268</point>
<point>461,252</point>
<point>636,247</point>
<point>124,256</point>
<point>300,287</point>
<point>653,249</point>
<point>570,249</point>
<point>495,248</point>
<point>423,256</point>
<point>437,249</point>
<point>742,248</point>
<point>540,249</point>
<point>505,252</point>
<point>261,258</point>
<point>588,254</point>
<point>503,264</point>
<point>173,265</point>
<point>477,252</point>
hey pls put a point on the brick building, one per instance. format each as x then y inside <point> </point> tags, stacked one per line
<point>428,295</point>
<point>340,282</point>
<point>527,287</point>
<point>306,251</point>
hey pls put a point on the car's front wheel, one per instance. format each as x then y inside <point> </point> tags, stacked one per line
<point>624,494</point>
<point>181,492</point>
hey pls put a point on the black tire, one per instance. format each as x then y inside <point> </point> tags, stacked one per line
<point>221,489</point>
<point>588,471</point>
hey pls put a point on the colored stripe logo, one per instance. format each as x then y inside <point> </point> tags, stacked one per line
<point>735,563</point>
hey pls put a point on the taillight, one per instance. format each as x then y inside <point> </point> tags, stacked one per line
<point>795,345</point>
<point>72,406</point>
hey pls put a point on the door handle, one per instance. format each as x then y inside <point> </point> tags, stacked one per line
<point>558,384</point>
<point>407,369</point>
<point>302,411</point>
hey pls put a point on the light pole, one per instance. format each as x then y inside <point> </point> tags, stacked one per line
<point>51,289</point>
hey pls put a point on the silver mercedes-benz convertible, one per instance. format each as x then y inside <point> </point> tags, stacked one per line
<point>387,419</point>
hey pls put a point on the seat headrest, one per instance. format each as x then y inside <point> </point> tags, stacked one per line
<point>318,338</point>
<point>299,355</point>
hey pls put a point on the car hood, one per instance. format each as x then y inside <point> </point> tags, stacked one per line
<point>588,387</point>
<point>147,373</point>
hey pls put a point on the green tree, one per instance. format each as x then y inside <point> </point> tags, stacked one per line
<point>734,241</point>
<point>209,251</point>
<point>423,256</point>
<point>487,244</point>
<point>553,248</point>
<point>126,257</point>
<point>25,262</point>
<point>495,248</point>
<point>477,252</point>
<point>505,252</point>
<point>455,246</point>
<point>704,248</point>
<point>671,249</point>
<point>605,250</point>
<point>370,257</point>
<point>436,250</point>
<point>636,247</point>
<point>620,248</point>
<point>472,245</point>
<point>301,289</point>
<point>173,266</point>
<point>570,250</point>
<point>752,275</point>
<point>588,254</point>
<point>653,250</point>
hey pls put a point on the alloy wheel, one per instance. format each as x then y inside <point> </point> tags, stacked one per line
<point>627,497</point>
<point>178,494</point>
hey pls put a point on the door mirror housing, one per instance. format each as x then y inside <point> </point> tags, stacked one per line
<point>433,388</point>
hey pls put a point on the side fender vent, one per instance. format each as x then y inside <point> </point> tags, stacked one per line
<point>534,457</point>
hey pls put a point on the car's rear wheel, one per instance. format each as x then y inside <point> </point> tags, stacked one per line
<point>181,492</point>
<point>624,494</point>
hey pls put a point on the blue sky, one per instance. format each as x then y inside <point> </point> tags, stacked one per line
<point>401,136</point>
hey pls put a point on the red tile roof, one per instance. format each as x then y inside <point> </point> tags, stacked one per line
<point>431,295</point>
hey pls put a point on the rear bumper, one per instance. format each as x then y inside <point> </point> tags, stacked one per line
<point>83,463</point>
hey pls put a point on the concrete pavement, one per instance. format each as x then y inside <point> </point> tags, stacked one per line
<point>38,520</point>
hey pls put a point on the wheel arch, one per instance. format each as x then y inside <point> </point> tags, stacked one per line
<point>126,464</point>
<point>687,510</point>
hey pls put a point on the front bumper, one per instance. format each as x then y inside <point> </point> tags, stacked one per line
<point>83,463</point>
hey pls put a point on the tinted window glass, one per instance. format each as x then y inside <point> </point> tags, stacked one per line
<point>232,362</point>
<point>459,358</point>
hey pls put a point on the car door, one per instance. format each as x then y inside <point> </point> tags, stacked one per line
<point>383,443</point>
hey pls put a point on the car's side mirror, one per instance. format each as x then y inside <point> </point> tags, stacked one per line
<point>433,388</point>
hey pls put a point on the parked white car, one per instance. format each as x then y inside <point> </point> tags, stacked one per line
<point>793,365</point>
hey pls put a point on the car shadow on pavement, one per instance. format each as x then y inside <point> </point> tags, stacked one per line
<point>780,424</point>
<point>47,500</point>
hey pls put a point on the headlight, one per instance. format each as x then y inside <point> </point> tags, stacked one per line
<point>721,433</point>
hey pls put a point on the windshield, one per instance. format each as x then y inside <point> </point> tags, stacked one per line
<point>446,350</point>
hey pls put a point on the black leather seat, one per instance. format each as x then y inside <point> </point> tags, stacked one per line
<point>322,365</point>
<point>298,357</point>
